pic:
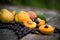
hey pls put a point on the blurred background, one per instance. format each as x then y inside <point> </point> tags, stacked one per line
<point>48,4</point>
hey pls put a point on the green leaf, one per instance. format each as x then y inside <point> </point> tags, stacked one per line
<point>41,15</point>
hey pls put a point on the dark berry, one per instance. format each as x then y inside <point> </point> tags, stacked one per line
<point>35,20</point>
<point>21,25</point>
<point>57,30</point>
